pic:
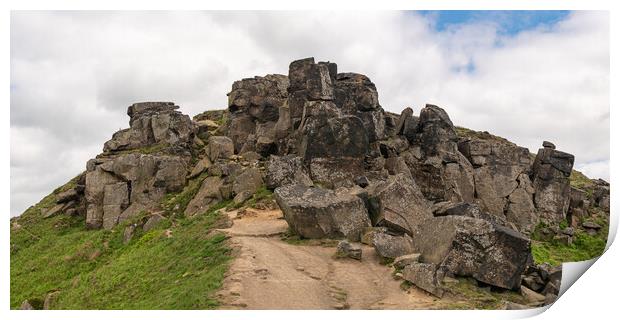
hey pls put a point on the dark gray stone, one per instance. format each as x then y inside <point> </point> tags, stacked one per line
<point>321,213</point>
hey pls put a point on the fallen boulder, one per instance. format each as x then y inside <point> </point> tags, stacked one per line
<point>467,246</point>
<point>322,213</point>
<point>398,204</point>
<point>392,247</point>
<point>424,276</point>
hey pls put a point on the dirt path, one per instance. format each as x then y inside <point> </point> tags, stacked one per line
<point>269,273</point>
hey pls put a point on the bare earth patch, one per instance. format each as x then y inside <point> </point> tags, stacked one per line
<point>268,273</point>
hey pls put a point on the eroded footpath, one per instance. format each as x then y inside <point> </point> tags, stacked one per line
<point>269,273</point>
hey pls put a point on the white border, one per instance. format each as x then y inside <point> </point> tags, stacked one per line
<point>592,296</point>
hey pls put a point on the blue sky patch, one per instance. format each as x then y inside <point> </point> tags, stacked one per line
<point>509,22</point>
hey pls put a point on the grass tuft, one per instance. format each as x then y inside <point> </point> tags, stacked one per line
<point>94,269</point>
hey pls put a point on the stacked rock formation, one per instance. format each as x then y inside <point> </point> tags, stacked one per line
<point>342,167</point>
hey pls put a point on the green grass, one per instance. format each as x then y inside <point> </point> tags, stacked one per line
<point>262,195</point>
<point>584,246</point>
<point>218,116</point>
<point>176,203</point>
<point>466,295</point>
<point>580,181</point>
<point>96,270</point>
<point>483,135</point>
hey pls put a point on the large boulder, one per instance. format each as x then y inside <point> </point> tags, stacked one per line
<point>356,95</point>
<point>437,166</point>
<point>209,194</point>
<point>503,187</point>
<point>309,81</point>
<point>322,213</point>
<point>219,147</point>
<point>407,125</point>
<point>332,146</point>
<point>253,102</point>
<point>355,92</point>
<point>249,180</point>
<point>424,276</point>
<point>550,178</point>
<point>153,123</point>
<point>392,246</point>
<point>398,204</point>
<point>325,133</point>
<point>473,247</point>
<point>120,187</point>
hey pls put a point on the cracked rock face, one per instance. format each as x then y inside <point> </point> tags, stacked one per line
<point>502,184</point>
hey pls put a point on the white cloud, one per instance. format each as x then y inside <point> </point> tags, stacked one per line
<point>74,73</point>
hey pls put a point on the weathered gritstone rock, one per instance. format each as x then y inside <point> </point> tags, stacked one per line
<point>356,95</point>
<point>439,169</point>
<point>424,276</point>
<point>285,170</point>
<point>407,125</point>
<point>322,213</point>
<point>121,187</point>
<point>219,148</point>
<point>153,123</point>
<point>501,182</point>
<point>398,205</point>
<point>601,194</point>
<point>390,246</point>
<point>550,173</point>
<point>309,81</point>
<point>338,161</point>
<point>466,246</point>
<point>254,105</point>
<point>465,209</point>
<point>209,194</point>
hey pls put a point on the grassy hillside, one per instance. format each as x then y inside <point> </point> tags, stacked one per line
<point>177,265</point>
<point>584,246</point>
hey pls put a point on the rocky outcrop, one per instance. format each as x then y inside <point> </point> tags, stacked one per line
<point>437,166</point>
<point>153,123</point>
<point>254,105</point>
<point>502,184</point>
<point>342,167</point>
<point>321,213</point>
<point>550,179</point>
<point>120,187</point>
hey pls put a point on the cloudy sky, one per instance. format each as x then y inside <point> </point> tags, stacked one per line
<point>526,76</point>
